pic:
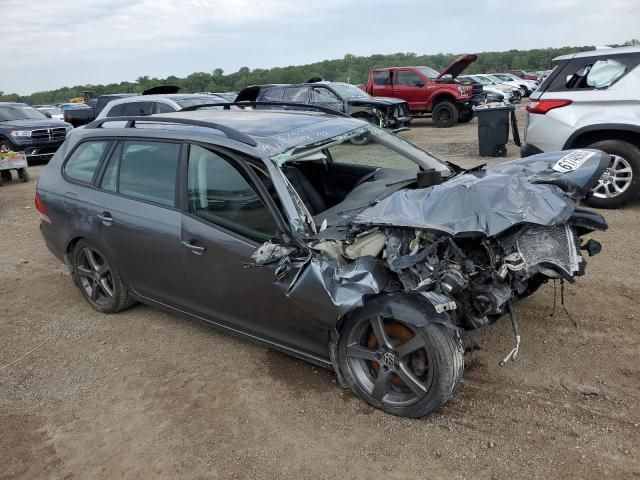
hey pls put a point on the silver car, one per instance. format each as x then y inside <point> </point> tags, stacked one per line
<point>591,100</point>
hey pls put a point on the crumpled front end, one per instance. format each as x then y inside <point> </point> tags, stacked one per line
<point>466,249</point>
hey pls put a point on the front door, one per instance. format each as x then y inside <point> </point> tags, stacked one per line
<point>411,87</point>
<point>225,222</point>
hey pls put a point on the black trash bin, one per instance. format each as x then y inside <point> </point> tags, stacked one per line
<point>493,130</point>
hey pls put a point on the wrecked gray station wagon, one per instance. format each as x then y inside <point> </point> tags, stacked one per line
<point>318,235</point>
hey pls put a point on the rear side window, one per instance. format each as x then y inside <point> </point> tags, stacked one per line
<point>144,170</point>
<point>272,95</point>
<point>161,107</point>
<point>137,108</point>
<point>590,73</point>
<point>296,94</point>
<point>381,77</point>
<point>82,164</point>
<point>116,111</point>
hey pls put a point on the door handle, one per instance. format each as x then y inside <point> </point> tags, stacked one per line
<point>196,249</point>
<point>105,218</point>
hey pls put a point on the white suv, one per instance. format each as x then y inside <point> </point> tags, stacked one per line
<point>592,99</point>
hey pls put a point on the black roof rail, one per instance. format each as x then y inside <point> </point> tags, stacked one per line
<point>298,106</point>
<point>231,133</point>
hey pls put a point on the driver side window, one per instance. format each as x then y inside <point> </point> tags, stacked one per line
<point>408,78</point>
<point>219,193</point>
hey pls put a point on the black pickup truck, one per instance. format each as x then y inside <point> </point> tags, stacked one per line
<point>25,129</point>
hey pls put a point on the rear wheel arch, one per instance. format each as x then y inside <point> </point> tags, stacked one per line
<point>588,135</point>
<point>70,248</point>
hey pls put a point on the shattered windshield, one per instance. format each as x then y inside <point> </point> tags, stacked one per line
<point>349,91</point>
<point>368,145</point>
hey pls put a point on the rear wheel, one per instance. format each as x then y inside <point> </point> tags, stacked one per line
<point>445,114</point>
<point>621,180</point>
<point>400,368</point>
<point>6,175</point>
<point>99,282</point>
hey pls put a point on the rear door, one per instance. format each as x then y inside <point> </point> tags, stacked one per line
<point>135,214</point>
<point>323,97</point>
<point>224,222</point>
<point>381,83</point>
<point>410,86</point>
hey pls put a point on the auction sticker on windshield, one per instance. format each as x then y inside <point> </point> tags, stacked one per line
<point>573,160</point>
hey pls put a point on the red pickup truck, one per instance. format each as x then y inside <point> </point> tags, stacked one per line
<point>427,90</point>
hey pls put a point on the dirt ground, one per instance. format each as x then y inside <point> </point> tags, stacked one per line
<point>145,394</point>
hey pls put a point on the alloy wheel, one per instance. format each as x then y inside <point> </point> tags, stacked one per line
<point>390,360</point>
<point>615,180</point>
<point>95,276</point>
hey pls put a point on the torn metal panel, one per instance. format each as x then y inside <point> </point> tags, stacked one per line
<point>346,286</point>
<point>491,200</point>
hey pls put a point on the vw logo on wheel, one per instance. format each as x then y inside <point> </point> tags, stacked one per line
<point>389,358</point>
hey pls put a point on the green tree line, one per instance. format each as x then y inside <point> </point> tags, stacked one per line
<point>350,68</point>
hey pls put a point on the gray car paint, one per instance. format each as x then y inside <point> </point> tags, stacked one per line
<point>296,312</point>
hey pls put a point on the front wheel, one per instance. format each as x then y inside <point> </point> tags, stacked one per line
<point>620,182</point>
<point>400,368</point>
<point>445,114</point>
<point>99,282</point>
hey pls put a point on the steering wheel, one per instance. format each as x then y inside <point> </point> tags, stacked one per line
<point>367,177</point>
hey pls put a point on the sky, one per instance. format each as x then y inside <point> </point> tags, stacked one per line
<point>48,44</point>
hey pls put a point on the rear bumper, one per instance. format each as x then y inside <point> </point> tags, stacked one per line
<point>527,150</point>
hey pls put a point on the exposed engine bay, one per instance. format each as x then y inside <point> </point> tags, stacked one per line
<point>469,245</point>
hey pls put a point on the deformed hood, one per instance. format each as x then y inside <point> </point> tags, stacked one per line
<point>540,189</point>
<point>458,66</point>
<point>375,101</point>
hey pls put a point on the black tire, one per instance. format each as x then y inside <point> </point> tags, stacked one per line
<point>445,114</point>
<point>6,175</point>
<point>466,116</point>
<point>98,281</point>
<point>434,368</point>
<point>23,175</point>
<point>624,154</point>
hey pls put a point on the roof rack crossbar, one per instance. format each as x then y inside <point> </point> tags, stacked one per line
<point>298,106</point>
<point>231,133</point>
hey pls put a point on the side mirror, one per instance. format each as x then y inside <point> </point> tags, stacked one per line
<point>48,115</point>
<point>418,83</point>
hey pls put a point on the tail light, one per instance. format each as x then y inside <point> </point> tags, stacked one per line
<point>41,209</point>
<point>543,106</point>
